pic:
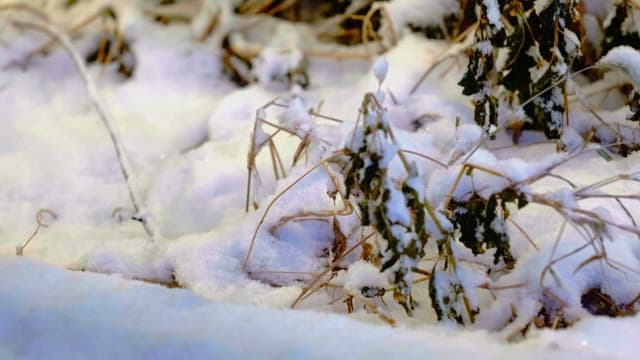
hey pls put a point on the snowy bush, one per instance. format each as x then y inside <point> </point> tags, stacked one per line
<point>541,48</point>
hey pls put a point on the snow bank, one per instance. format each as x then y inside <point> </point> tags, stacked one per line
<point>51,313</point>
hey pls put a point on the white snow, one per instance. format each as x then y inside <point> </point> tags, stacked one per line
<point>81,289</point>
<point>624,58</point>
<point>361,274</point>
<point>56,314</point>
<point>420,13</point>
<point>540,5</point>
<point>493,13</point>
<point>380,69</point>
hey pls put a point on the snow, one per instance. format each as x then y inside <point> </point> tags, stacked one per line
<point>599,8</point>
<point>420,13</point>
<point>624,58</point>
<point>362,274</point>
<point>82,287</point>
<point>493,13</point>
<point>380,69</point>
<point>571,140</point>
<point>540,5</point>
<point>56,314</point>
<point>484,47</point>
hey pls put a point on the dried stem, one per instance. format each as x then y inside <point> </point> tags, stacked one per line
<point>434,160</point>
<point>40,223</point>
<point>466,167</point>
<point>309,289</point>
<point>524,233</point>
<point>142,213</point>
<point>441,58</point>
<point>383,315</point>
<point>245,263</point>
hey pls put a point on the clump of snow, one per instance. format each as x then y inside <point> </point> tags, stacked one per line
<point>213,172</point>
<point>571,140</point>
<point>540,5</point>
<point>380,68</point>
<point>363,274</point>
<point>273,64</point>
<point>565,198</point>
<point>599,8</point>
<point>280,57</point>
<point>624,58</point>
<point>297,118</point>
<point>395,206</point>
<point>420,13</point>
<point>592,27</point>
<point>484,47</point>
<point>493,13</point>
<point>467,137</point>
<point>235,113</point>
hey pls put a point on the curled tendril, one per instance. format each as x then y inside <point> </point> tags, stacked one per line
<point>44,218</point>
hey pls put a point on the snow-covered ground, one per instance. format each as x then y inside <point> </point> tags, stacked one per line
<point>51,313</point>
<point>186,129</point>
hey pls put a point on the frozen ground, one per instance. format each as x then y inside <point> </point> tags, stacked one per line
<point>187,129</point>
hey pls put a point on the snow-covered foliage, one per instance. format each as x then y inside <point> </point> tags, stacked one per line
<point>620,27</point>
<point>480,76</point>
<point>541,45</point>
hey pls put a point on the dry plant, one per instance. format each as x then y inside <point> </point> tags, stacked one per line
<point>392,208</point>
<point>300,128</point>
<point>354,30</point>
<point>44,218</point>
<point>530,83</point>
<point>454,220</point>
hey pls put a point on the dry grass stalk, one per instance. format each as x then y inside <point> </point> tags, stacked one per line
<point>245,263</point>
<point>142,213</point>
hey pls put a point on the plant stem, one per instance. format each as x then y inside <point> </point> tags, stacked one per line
<point>142,213</point>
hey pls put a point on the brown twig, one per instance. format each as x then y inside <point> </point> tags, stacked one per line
<point>309,289</point>
<point>245,263</point>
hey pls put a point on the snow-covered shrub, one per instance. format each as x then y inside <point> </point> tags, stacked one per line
<point>541,47</point>
<point>481,223</point>
<point>480,77</point>
<point>404,221</point>
<point>394,210</point>
<point>555,51</point>
<point>523,59</point>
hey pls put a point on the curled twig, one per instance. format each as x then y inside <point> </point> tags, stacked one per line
<point>41,222</point>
